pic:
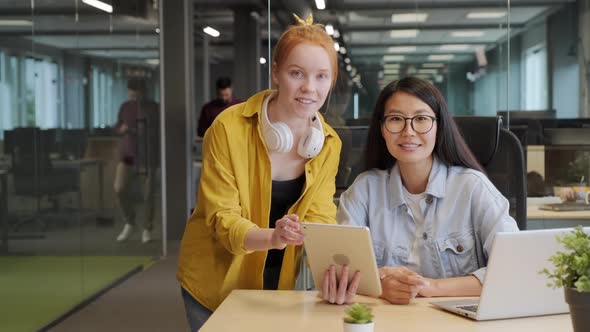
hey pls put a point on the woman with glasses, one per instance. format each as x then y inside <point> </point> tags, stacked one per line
<point>432,211</point>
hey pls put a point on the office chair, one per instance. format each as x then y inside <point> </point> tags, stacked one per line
<point>70,145</point>
<point>482,134</point>
<point>344,167</point>
<point>356,159</point>
<point>33,173</point>
<point>500,153</point>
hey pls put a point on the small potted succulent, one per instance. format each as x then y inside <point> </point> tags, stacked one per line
<point>572,272</point>
<point>359,318</point>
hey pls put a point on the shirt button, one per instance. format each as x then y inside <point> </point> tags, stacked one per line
<point>429,199</point>
<point>460,248</point>
<point>425,236</point>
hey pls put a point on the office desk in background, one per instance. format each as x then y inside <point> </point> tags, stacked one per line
<point>542,219</point>
<point>81,164</point>
<point>261,311</point>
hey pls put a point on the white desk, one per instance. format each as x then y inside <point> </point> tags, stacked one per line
<point>285,311</point>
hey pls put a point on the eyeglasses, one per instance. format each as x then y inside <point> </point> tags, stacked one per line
<point>421,124</point>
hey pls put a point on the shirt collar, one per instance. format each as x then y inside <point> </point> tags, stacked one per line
<point>254,107</point>
<point>436,183</point>
<point>254,103</point>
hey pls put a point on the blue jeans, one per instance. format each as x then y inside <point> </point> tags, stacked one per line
<point>196,313</point>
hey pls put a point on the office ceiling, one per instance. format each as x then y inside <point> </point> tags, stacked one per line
<point>77,27</point>
<point>373,36</point>
<point>369,30</point>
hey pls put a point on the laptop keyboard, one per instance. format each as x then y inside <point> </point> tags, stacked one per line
<point>472,308</point>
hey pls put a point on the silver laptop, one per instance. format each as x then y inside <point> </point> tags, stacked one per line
<point>513,286</point>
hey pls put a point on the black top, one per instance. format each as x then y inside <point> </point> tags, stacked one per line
<point>284,195</point>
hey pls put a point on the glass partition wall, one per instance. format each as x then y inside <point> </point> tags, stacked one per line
<point>70,178</point>
<point>526,61</point>
<point>459,47</point>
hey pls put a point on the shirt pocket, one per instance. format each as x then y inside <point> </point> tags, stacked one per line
<point>457,254</point>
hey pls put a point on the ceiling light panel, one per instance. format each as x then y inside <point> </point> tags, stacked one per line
<point>440,57</point>
<point>15,23</point>
<point>467,33</point>
<point>404,33</point>
<point>455,47</point>
<point>330,29</point>
<point>211,32</point>
<point>409,18</point>
<point>100,5</point>
<point>320,4</point>
<point>401,49</point>
<point>423,76</point>
<point>433,65</point>
<point>393,58</point>
<point>486,15</point>
<point>427,71</point>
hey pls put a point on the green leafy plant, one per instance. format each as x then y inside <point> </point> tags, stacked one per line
<point>358,313</point>
<point>577,168</point>
<point>572,268</point>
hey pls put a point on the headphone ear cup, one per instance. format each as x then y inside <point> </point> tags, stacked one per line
<point>311,144</point>
<point>277,136</point>
<point>283,137</point>
<point>272,138</point>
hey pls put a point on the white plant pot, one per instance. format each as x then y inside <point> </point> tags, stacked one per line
<point>348,327</point>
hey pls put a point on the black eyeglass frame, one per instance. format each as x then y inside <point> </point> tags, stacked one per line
<point>433,118</point>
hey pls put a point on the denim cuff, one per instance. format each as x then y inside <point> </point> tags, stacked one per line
<point>480,274</point>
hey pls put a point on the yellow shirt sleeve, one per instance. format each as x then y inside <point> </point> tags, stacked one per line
<point>220,193</point>
<point>322,208</point>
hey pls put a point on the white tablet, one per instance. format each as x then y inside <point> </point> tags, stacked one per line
<point>327,244</point>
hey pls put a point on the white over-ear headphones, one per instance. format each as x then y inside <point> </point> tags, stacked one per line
<point>279,138</point>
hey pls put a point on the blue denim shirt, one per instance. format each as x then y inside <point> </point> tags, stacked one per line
<point>462,213</point>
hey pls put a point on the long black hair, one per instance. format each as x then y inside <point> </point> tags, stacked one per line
<point>450,147</point>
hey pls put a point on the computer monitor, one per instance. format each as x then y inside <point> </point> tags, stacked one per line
<point>526,114</point>
<point>8,142</point>
<point>72,143</point>
<point>25,139</point>
<point>48,137</point>
<point>528,125</point>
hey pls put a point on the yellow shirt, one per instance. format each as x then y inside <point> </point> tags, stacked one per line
<point>235,195</point>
